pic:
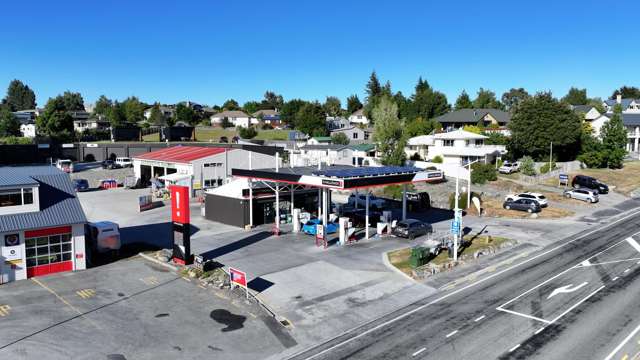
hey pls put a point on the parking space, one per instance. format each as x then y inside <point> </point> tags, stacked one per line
<point>131,310</point>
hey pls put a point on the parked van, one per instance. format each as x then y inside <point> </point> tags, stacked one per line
<point>102,237</point>
<point>65,165</point>
<point>124,162</point>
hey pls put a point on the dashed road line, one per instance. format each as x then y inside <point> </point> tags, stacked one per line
<point>538,331</point>
<point>452,333</point>
<point>514,348</point>
<point>626,271</point>
<point>615,278</point>
<point>4,310</point>
<point>480,318</point>
<point>418,352</point>
<point>186,279</point>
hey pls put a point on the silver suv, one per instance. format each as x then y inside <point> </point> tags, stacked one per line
<point>582,194</point>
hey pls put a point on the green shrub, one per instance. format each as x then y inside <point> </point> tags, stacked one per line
<point>545,168</point>
<point>594,159</point>
<point>462,201</point>
<point>527,166</point>
<point>481,173</point>
<point>247,133</point>
<point>437,160</point>
<point>16,140</point>
<point>415,157</point>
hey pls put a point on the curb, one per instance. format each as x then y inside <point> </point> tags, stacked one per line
<point>385,261</point>
<point>156,261</point>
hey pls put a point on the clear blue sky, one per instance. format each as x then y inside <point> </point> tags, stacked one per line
<point>209,51</point>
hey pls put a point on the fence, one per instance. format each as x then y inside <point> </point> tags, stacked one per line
<point>562,168</point>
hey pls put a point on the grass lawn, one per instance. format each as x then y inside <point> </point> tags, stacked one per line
<point>400,258</point>
<point>625,180</point>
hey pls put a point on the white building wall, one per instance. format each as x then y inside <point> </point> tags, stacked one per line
<point>8,272</point>
<point>79,253</point>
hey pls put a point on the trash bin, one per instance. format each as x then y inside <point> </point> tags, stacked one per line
<point>418,256</point>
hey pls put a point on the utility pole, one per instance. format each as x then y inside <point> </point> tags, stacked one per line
<point>550,156</point>
<point>455,217</point>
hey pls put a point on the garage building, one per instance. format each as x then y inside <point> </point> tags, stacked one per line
<point>41,223</point>
<point>201,167</point>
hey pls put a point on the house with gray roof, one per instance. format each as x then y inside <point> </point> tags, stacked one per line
<point>459,118</point>
<point>628,105</point>
<point>41,223</point>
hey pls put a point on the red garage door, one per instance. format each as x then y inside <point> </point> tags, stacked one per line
<point>48,251</point>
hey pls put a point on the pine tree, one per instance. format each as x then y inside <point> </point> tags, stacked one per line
<point>463,101</point>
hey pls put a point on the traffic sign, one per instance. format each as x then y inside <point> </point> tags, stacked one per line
<point>455,227</point>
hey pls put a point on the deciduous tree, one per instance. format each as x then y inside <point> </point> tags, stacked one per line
<point>73,101</point>
<point>388,133</point>
<point>576,96</point>
<point>332,106</point>
<point>230,105</point>
<point>290,110</point>
<point>103,106</point>
<point>19,97</point>
<point>512,98</point>
<point>627,92</point>
<point>614,139</point>
<point>353,104</point>
<point>310,119</point>
<point>486,99</point>
<point>9,124</point>
<point>463,101</point>
<point>340,139</point>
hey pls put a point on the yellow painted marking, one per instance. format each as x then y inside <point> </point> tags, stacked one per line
<point>4,310</point>
<point>202,286</point>
<point>491,269</point>
<point>253,315</point>
<point>63,300</point>
<point>186,279</point>
<point>86,293</point>
<point>150,280</point>
<point>625,357</point>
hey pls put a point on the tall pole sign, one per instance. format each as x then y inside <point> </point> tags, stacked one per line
<point>181,225</point>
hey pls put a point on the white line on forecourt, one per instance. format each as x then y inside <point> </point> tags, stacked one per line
<point>452,333</point>
<point>480,318</point>
<point>514,348</point>
<point>450,294</point>
<point>418,352</point>
<point>615,351</point>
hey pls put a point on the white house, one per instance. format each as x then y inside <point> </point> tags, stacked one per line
<point>27,120</point>
<point>358,117</point>
<point>236,117</point>
<point>167,112</point>
<point>355,134</point>
<point>331,154</point>
<point>319,140</point>
<point>99,123</point>
<point>454,147</point>
<point>629,106</point>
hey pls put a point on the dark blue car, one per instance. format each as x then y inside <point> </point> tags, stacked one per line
<point>80,184</point>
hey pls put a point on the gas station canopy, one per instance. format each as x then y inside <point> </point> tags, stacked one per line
<point>343,177</point>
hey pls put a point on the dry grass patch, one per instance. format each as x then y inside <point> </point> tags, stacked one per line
<point>400,259</point>
<point>625,180</point>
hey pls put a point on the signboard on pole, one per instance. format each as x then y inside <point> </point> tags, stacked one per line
<point>238,277</point>
<point>180,204</point>
<point>563,179</point>
<point>455,227</point>
<point>145,202</point>
<point>12,254</point>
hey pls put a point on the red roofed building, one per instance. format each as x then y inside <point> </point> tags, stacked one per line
<point>200,167</point>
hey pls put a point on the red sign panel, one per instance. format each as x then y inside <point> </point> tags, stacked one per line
<point>238,277</point>
<point>180,204</point>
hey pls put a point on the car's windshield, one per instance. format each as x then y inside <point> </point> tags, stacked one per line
<point>403,225</point>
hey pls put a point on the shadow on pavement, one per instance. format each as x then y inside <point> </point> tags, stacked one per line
<point>223,250</point>
<point>259,284</point>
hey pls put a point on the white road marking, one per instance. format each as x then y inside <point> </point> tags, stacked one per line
<point>626,271</point>
<point>514,348</point>
<point>615,351</point>
<point>585,263</point>
<point>613,262</point>
<point>452,333</point>
<point>576,304</point>
<point>523,315</point>
<point>452,293</point>
<point>633,243</point>
<point>418,352</point>
<point>480,318</point>
<point>615,278</point>
<point>538,331</point>
<point>566,289</point>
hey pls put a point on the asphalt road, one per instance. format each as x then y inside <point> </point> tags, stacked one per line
<point>574,300</point>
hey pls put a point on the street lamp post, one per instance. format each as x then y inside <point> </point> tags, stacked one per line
<point>458,212</point>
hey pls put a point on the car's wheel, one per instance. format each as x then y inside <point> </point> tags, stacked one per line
<point>568,196</point>
<point>411,237</point>
<point>529,211</point>
<point>507,207</point>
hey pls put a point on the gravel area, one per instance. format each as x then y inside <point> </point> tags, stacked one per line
<point>94,172</point>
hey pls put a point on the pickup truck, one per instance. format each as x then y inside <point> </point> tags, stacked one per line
<point>509,168</point>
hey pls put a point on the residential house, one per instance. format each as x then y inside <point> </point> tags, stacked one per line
<point>98,122</point>
<point>592,116</point>
<point>338,122</point>
<point>355,134</point>
<point>269,116</point>
<point>454,147</point>
<point>27,120</point>
<point>489,118</point>
<point>358,117</point>
<point>629,106</point>
<point>332,154</point>
<point>319,140</point>
<point>630,119</point>
<point>167,113</point>
<point>235,117</point>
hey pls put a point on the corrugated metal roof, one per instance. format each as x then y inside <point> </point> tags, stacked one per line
<point>8,179</point>
<point>58,202</point>
<point>181,154</point>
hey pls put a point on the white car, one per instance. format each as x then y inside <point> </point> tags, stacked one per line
<point>124,162</point>
<point>582,194</point>
<point>65,165</point>
<point>509,168</point>
<point>374,202</point>
<point>541,199</point>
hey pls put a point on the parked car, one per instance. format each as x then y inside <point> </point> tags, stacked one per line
<point>102,237</point>
<point>418,201</point>
<point>65,165</point>
<point>358,217</point>
<point>110,164</point>
<point>361,199</point>
<point>583,181</point>
<point>541,199</point>
<point>124,162</point>
<point>509,167</point>
<point>411,228</point>
<point>80,185</point>
<point>582,194</point>
<point>223,140</point>
<point>309,227</point>
<point>528,205</point>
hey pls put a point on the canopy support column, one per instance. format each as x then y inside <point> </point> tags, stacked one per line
<point>366,217</point>
<point>404,202</point>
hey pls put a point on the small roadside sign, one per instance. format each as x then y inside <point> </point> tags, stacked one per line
<point>198,261</point>
<point>239,278</point>
<point>563,179</point>
<point>455,227</point>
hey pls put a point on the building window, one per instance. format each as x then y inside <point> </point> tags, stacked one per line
<point>47,250</point>
<point>447,143</point>
<point>479,142</point>
<point>10,198</point>
<point>355,135</point>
